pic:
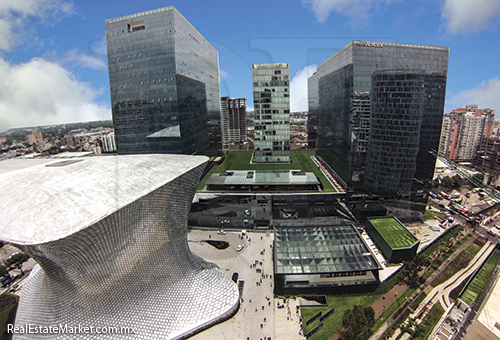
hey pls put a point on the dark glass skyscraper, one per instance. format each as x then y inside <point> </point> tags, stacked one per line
<point>342,110</point>
<point>164,83</point>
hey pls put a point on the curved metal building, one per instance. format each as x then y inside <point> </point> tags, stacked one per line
<point>109,235</point>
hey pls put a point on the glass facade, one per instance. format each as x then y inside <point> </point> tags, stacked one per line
<point>396,118</point>
<point>333,250</point>
<point>164,83</point>
<point>271,97</point>
<point>339,113</point>
<point>234,124</point>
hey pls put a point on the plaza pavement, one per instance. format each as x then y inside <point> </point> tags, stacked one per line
<point>257,295</point>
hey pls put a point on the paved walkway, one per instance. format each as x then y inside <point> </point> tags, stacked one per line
<point>441,293</point>
<point>389,322</point>
<point>254,266</point>
<point>388,299</point>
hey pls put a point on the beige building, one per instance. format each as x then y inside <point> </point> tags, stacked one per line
<point>36,138</point>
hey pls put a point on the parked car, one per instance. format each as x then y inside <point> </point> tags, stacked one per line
<point>239,247</point>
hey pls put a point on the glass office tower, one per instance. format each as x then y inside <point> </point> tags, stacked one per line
<point>271,98</point>
<point>164,83</point>
<point>341,105</point>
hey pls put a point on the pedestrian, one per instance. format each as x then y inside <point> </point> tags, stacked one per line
<point>262,307</point>
<point>250,300</point>
<point>264,319</point>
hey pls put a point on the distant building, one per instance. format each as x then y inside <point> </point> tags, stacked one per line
<point>36,138</point>
<point>462,132</point>
<point>164,83</point>
<point>108,142</point>
<point>341,112</point>
<point>271,97</point>
<point>488,156</point>
<point>234,124</point>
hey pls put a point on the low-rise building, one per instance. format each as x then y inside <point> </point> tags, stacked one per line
<point>323,257</point>
<point>392,238</point>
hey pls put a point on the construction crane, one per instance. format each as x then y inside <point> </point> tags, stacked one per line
<point>491,192</point>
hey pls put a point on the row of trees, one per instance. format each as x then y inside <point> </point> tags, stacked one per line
<point>412,268</point>
<point>449,182</point>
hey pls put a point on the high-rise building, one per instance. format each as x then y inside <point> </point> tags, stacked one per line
<point>164,83</point>
<point>340,117</point>
<point>234,124</point>
<point>462,132</point>
<point>271,98</point>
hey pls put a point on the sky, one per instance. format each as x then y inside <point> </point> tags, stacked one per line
<point>53,63</point>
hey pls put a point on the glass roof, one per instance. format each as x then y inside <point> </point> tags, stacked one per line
<point>321,250</point>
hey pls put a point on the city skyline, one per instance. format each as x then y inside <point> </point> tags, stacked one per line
<point>54,69</point>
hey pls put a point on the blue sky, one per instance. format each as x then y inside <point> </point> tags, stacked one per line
<point>53,66</point>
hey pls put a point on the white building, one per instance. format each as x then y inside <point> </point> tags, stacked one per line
<point>271,97</point>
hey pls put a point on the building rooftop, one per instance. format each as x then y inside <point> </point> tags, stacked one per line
<point>263,177</point>
<point>56,198</point>
<point>321,250</point>
<point>393,231</point>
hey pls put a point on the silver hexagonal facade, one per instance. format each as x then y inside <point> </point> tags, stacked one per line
<point>131,267</point>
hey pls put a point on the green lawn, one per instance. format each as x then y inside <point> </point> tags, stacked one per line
<point>241,161</point>
<point>479,281</point>
<point>394,232</point>
<point>431,214</point>
<point>430,321</point>
<point>7,303</point>
<point>333,323</point>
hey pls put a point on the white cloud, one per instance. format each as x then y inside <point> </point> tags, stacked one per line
<point>463,16</point>
<point>356,9</point>
<point>14,12</point>
<point>41,92</point>
<point>486,95</point>
<point>224,75</point>
<point>298,89</point>
<point>84,60</point>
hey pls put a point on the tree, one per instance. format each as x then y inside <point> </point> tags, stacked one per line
<point>3,271</point>
<point>54,150</point>
<point>16,260</point>
<point>436,183</point>
<point>412,268</point>
<point>457,181</point>
<point>447,182</point>
<point>357,323</point>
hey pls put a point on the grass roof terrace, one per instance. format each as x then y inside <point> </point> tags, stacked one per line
<point>301,160</point>
<point>394,232</point>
